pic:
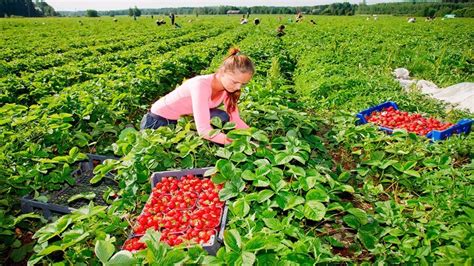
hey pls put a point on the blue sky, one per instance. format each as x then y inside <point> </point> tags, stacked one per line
<point>73,5</point>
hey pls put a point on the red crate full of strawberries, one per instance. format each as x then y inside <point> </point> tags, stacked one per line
<point>185,207</point>
<point>388,117</point>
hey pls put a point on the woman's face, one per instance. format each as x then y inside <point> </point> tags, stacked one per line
<point>233,81</point>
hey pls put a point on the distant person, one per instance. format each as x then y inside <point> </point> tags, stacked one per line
<point>248,14</point>
<point>313,22</point>
<point>160,22</point>
<point>172,17</point>
<point>299,17</point>
<point>243,21</point>
<point>256,21</point>
<point>202,95</point>
<point>281,31</point>
<point>151,16</point>
<point>411,20</point>
<point>115,20</point>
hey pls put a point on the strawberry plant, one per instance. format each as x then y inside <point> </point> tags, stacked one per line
<point>303,185</point>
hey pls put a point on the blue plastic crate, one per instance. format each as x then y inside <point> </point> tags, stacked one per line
<point>463,126</point>
<point>377,108</point>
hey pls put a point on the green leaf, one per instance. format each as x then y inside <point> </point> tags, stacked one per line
<point>97,178</point>
<point>73,152</point>
<point>412,173</point>
<point>123,257</point>
<point>261,182</point>
<point>218,179</point>
<point>174,256</point>
<point>19,254</point>
<point>264,195</point>
<point>241,208</point>
<point>216,121</point>
<point>392,239</point>
<point>267,259</point>
<point>334,242</point>
<point>351,221</point>
<point>387,163</point>
<point>296,170</point>
<point>314,210</point>
<point>256,243</point>
<point>28,215</point>
<point>104,250</point>
<point>53,229</point>
<point>232,240</point>
<point>263,170</point>
<point>42,198</point>
<point>318,193</point>
<point>299,259</point>
<point>87,195</point>
<point>225,168</point>
<point>223,153</point>
<point>248,258</point>
<point>210,172</point>
<point>214,132</point>
<point>359,214</point>
<point>49,249</point>
<point>273,224</point>
<point>248,175</point>
<point>237,183</point>
<point>228,126</point>
<point>127,133</point>
<point>398,166</point>
<point>238,157</point>
<point>409,165</point>
<point>261,163</point>
<point>445,160</point>
<point>430,162</point>
<point>260,136</point>
<point>293,201</point>
<point>227,193</point>
<point>282,158</point>
<point>367,239</point>
<point>236,133</point>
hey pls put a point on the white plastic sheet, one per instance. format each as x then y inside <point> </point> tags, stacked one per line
<point>460,95</point>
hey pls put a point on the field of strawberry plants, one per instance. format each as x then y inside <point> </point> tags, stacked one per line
<point>306,184</point>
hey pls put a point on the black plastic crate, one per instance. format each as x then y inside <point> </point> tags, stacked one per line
<point>217,240</point>
<point>213,246</point>
<point>58,204</point>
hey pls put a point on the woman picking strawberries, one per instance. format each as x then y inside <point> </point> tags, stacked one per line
<point>201,95</point>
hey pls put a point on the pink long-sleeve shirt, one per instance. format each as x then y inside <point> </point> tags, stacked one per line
<point>194,97</point>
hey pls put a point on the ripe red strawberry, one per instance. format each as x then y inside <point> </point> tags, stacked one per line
<point>184,210</point>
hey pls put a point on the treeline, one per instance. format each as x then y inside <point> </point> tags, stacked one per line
<point>458,7</point>
<point>26,8</point>
<point>333,9</point>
